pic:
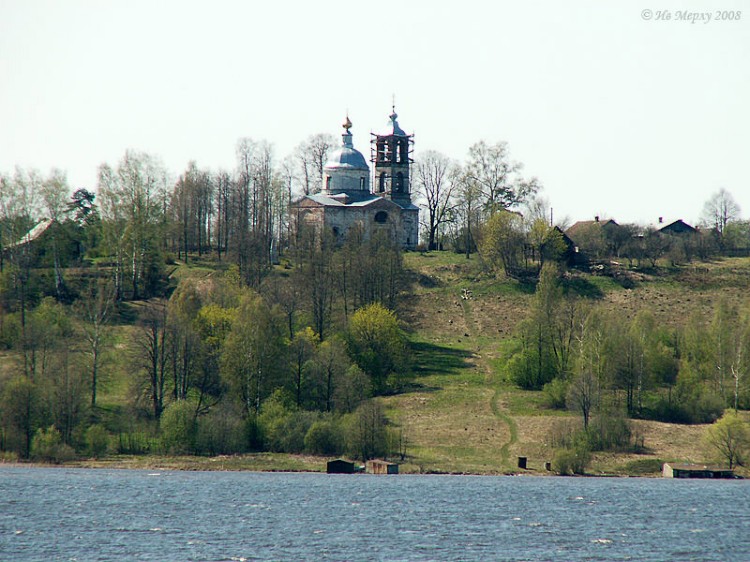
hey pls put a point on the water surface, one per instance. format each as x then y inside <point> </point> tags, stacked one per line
<point>79,514</point>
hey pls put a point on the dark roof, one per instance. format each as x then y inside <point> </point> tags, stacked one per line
<point>678,227</point>
<point>583,226</point>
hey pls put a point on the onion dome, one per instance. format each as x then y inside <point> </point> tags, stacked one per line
<point>393,128</point>
<point>346,157</point>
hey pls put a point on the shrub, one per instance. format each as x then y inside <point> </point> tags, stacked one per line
<point>572,460</point>
<point>97,441</point>
<point>222,432</point>
<point>134,443</point>
<point>324,438</point>
<point>178,428</point>
<point>554,393</point>
<point>47,446</point>
<point>283,427</point>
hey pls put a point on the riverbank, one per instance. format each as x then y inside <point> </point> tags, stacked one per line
<point>279,462</point>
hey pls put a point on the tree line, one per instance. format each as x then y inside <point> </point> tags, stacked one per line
<point>250,357</point>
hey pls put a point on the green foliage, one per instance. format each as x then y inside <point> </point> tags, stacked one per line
<point>178,428</point>
<point>324,438</point>
<point>501,243</point>
<point>283,426</point>
<point>222,431</point>
<point>135,443</point>
<point>572,460</point>
<point>367,432</point>
<point>250,356</point>
<point>48,446</point>
<point>97,441</point>
<point>377,344</point>
<point>554,393</point>
<point>729,438</point>
<point>21,405</point>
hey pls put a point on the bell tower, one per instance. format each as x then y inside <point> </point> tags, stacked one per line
<point>391,157</point>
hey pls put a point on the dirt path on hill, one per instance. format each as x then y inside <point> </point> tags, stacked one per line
<point>482,364</point>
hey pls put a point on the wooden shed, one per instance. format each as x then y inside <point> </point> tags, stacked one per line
<point>340,466</point>
<point>695,471</point>
<point>381,467</point>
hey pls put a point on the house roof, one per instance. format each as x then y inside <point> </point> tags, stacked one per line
<point>39,229</point>
<point>583,226</point>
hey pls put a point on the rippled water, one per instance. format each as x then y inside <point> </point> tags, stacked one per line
<point>63,514</point>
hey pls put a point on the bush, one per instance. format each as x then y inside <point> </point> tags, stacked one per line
<point>47,446</point>
<point>283,427</point>
<point>572,460</point>
<point>324,438</point>
<point>222,432</point>
<point>554,393</point>
<point>134,443</point>
<point>97,441</point>
<point>178,428</point>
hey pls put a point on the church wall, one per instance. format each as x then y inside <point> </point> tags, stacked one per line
<point>347,180</point>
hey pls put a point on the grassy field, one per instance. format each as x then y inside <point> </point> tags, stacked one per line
<point>461,417</point>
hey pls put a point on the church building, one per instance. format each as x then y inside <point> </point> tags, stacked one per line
<point>347,199</point>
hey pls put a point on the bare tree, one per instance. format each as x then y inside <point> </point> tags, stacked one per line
<point>436,177</point>
<point>311,155</point>
<point>94,309</point>
<point>718,211</point>
<point>497,178</point>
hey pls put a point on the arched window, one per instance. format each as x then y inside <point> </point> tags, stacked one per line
<point>362,183</point>
<point>381,217</point>
<point>399,182</point>
<point>328,182</point>
<point>381,182</point>
<point>403,150</point>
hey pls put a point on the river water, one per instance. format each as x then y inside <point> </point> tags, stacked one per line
<point>81,515</point>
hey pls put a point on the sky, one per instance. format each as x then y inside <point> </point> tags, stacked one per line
<point>628,110</point>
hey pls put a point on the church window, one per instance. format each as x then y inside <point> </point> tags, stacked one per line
<point>328,182</point>
<point>362,183</point>
<point>381,217</point>
<point>381,182</point>
<point>399,182</point>
<point>381,151</point>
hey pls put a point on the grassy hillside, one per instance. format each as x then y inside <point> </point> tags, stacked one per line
<point>462,417</point>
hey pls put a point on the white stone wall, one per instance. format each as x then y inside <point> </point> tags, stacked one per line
<point>343,180</point>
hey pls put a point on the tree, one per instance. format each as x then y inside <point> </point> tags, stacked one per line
<point>368,432</point>
<point>20,414</point>
<point>302,348</point>
<point>151,350</point>
<point>718,212</point>
<point>55,193</point>
<point>310,157</point>
<point>730,438</point>
<point>377,344</point>
<point>501,245</point>
<point>497,178</point>
<point>593,365</point>
<point>436,178</point>
<point>325,372</point>
<point>94,309</point>
<point>252,351</point>
<point>132,198</point>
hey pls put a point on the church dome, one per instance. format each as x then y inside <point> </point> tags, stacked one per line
<point>392,129</point>
<point>346,157</point>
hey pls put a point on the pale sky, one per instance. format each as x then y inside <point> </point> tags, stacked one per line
<point>617,115</point>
